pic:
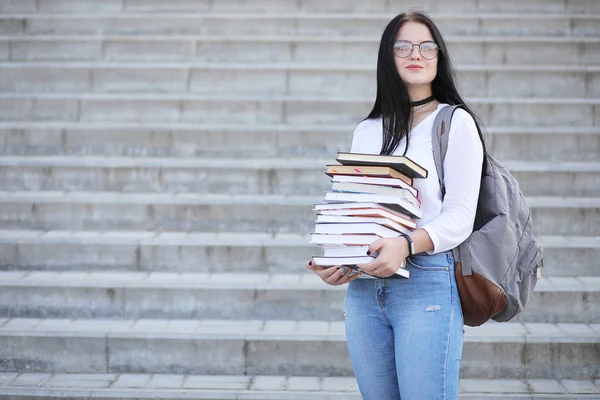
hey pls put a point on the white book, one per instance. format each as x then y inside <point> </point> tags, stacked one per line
<point>341,240</point>
<point>352,262</point>
<point>366,210</point>
<point>345,251</point>
<point>348,187</point>
<point>391,182</point>
<point>353,229</point>
<point>396,203</point>
<point>331,261</point>
<point>351,219</point>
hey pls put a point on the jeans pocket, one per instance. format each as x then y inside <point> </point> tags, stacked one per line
<point>427,266</point>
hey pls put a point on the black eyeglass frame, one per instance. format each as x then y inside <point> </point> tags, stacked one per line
<point>419,46</point>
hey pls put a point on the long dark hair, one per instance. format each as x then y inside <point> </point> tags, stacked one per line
<point>392,103</point>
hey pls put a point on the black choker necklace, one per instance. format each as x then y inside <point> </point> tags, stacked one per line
<point>421,102</point>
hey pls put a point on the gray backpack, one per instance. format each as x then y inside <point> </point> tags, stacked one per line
<point>499,264</point>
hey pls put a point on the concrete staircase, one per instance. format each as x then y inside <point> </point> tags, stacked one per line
<point>159,160</point>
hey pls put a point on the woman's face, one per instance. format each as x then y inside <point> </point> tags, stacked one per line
<point>415,70</point>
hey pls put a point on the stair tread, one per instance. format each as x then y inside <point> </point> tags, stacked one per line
<point>218,239</point>
<point>145,96</point>
<point>199,127</point>
<point>300,38</point>
<point>322,67</point>
<point>248,163</point>
<point>277,387</point>
<point>82,197</point>
<point>320,15</point>
<point>278,329</point>
<point>232,281</point>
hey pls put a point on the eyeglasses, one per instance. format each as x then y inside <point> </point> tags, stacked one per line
<point>403,48</point>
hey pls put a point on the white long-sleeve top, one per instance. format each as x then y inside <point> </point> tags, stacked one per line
<point>450,222</point>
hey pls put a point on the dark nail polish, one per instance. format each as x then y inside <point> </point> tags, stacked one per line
<point>368,252</point>
<point>310,263</point>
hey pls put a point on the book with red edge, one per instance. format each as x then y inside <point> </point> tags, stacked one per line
<point>365,210</point>
<point>393,202</point>
<point>346,219</point>
<point>367,171</point>
<point>348,187</point>
<point>373,180</point>
<point>401,164</point>
<point>360,228</point>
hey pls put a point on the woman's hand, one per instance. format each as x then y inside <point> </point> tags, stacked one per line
<point>333,275</point>
<point>392,255</point>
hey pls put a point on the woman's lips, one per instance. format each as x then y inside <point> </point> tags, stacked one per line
<point>414,67</point>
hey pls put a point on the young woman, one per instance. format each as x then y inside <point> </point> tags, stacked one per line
<point>405,336</point>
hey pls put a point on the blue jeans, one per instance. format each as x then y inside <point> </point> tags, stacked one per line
<point>405,336</point>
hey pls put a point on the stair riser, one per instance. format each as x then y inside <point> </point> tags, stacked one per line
<point>244,181</point>
<point>80,6</point>
<point>288,25</point>
<point>231,218</point>
<point>216,143</point>
<point>242,304</point>
<point>220,259</point>
<point>19,394</point>
<point>359,53</point>
<point>276,357</point>
<point>297,51</point>
<point>255,111</point>
<point>268,82</point>
<point>184,394</point>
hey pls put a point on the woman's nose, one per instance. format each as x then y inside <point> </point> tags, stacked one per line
<point>415,53</point>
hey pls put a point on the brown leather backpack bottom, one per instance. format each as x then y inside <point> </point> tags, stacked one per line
<point>480,298</point>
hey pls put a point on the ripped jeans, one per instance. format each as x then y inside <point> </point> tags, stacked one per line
<point>405,336</point>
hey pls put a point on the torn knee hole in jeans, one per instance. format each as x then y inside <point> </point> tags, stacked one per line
<point>432,308</point>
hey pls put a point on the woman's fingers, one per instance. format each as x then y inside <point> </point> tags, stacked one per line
<point>336,275</point>
<point>334,278</point>
<point>322,272</point>
<point>376,245</point>
<point>347,278</point>
<point>310,265</point>
<point>370,266</point>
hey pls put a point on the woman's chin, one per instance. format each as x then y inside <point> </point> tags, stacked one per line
<point>413,83</point>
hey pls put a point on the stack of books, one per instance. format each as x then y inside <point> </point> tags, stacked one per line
<point>371,197</point>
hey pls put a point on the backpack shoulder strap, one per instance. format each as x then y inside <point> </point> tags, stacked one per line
<point>439,139</point>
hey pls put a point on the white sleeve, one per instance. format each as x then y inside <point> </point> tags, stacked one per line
<point>358,139</point>
<point>462,178</point>
<point>367,138</point>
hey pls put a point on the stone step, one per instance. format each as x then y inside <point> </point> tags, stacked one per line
<point>212,387</point>
<point>472,49</point>
<point>299,296</point>
<point>294,23</point>
<point>554,81</point>
<point>244,176</point>
<point>269,347</point>
<point>273,109</point>
<point>264,141</point>
<point>219,252</point>
<point>230,213</point>
<point>183,6</point>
